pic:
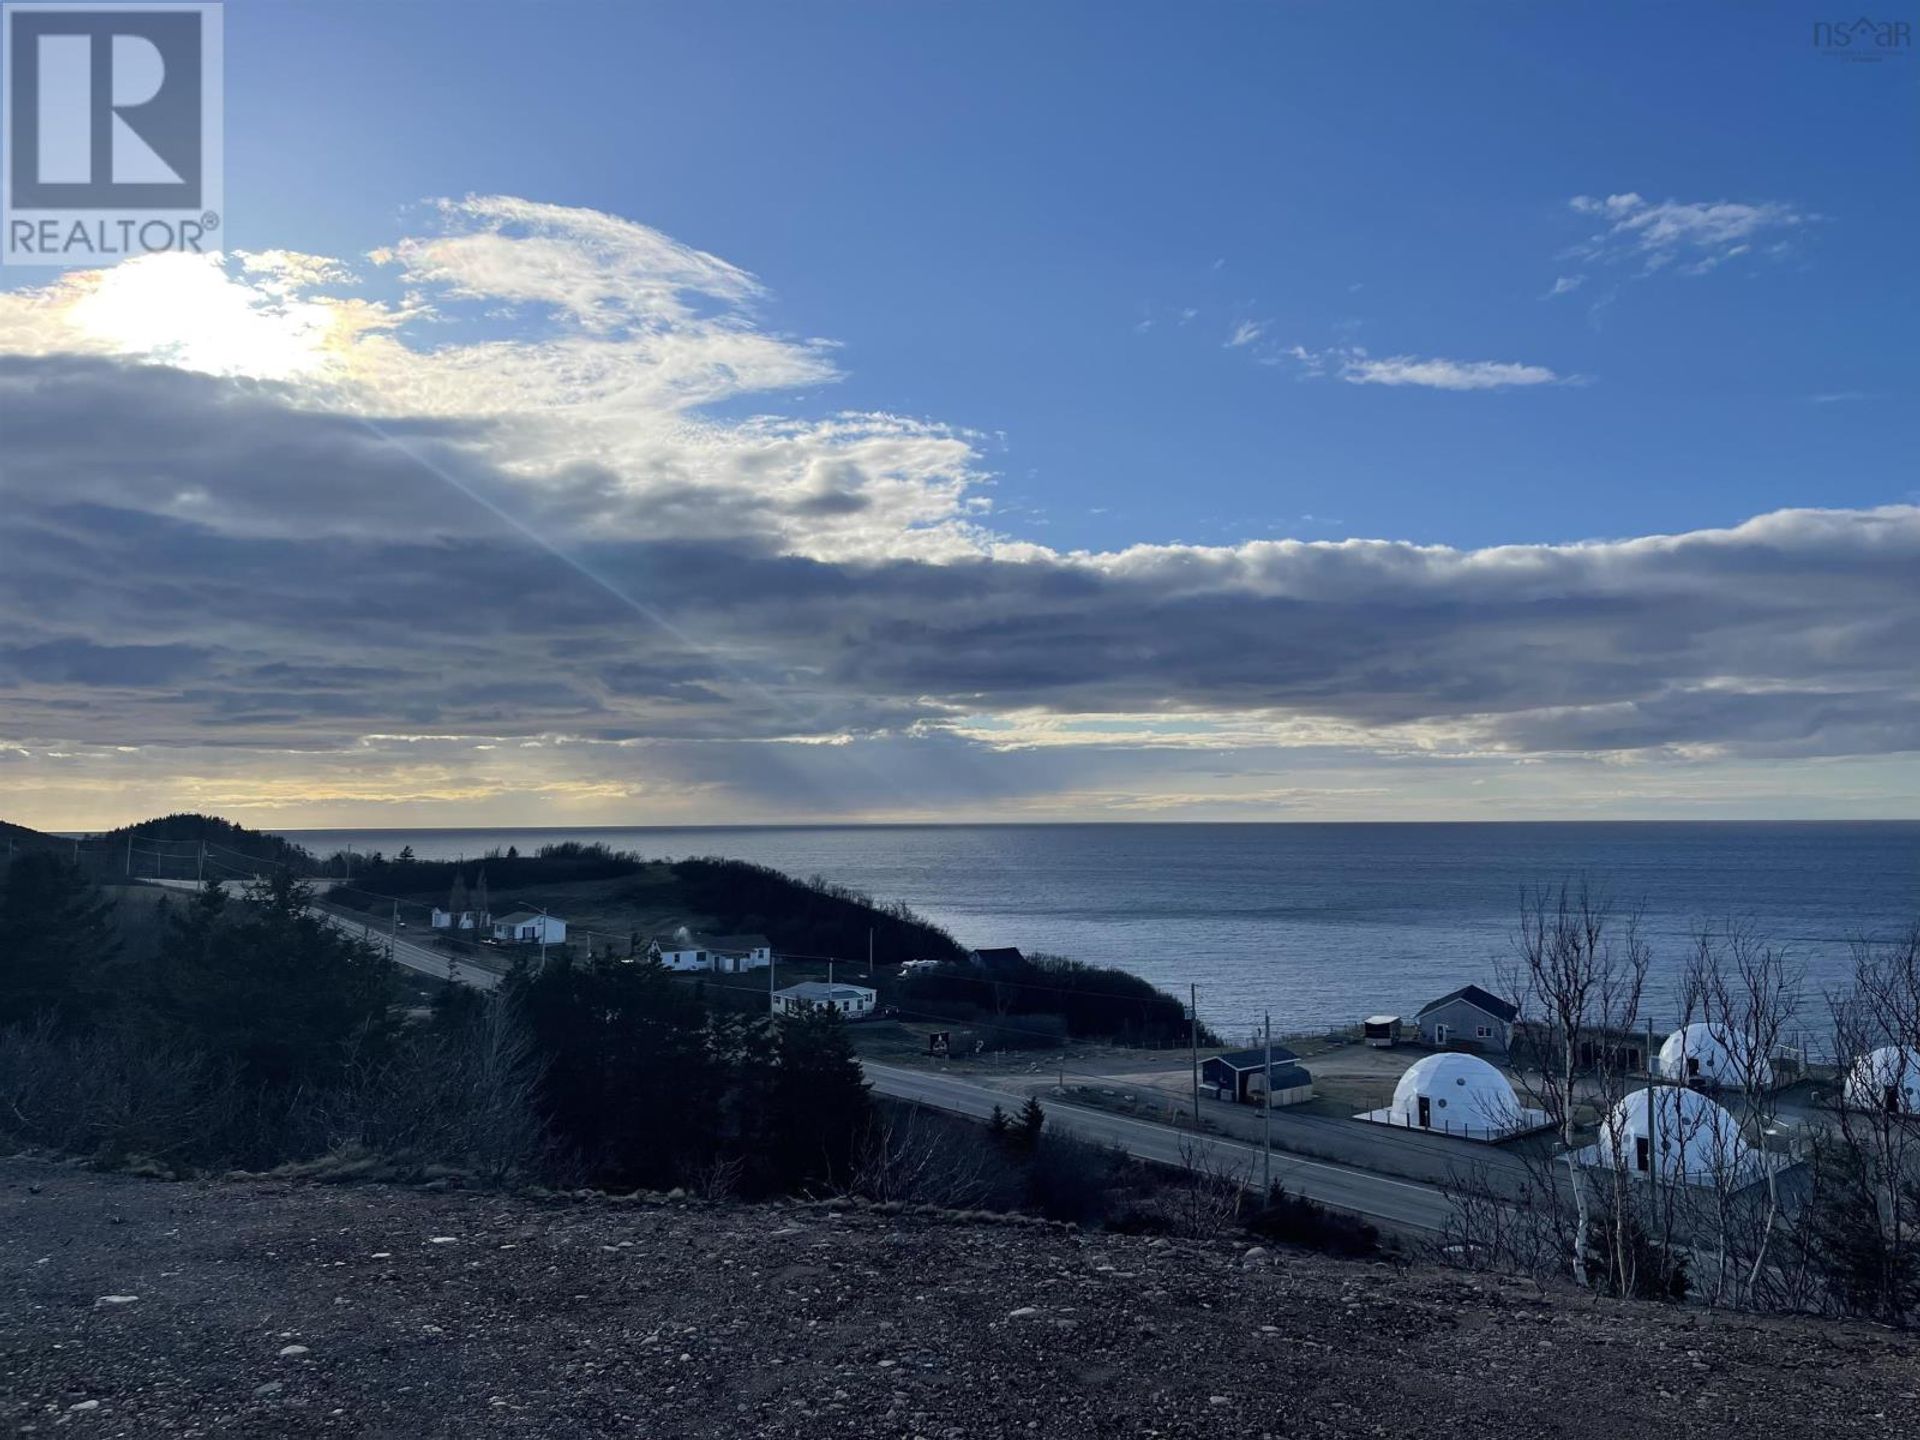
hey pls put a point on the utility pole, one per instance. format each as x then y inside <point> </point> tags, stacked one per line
<point>200,864</point>
<point>1653,1129</point>
<point>772,994</point>
<point>129,855</point>
<point>543,942</point>
<point>1193,1048</point>
<point>869,952</point>
<point>1267,1145</point>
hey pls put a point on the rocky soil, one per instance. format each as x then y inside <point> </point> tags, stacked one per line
<point>257,1307</point>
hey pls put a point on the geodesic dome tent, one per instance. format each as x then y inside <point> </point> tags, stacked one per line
<point>1687,1136</point>
<point>1707,1054</point>
<point>1455,1092</point>
<point>1886,1079</point>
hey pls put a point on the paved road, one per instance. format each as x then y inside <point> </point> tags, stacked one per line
<point>1399,1203</point>
<point>1402,1204</point>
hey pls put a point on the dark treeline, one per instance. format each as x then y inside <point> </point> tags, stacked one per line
<point>191,829</point>
<point>562,863</point>
<point>1047,999</point>
<point>803,918</point>
<point>811,919</point>
<point>256,1035</point>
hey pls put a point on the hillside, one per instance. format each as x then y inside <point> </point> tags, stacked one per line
<point>268,1308</point>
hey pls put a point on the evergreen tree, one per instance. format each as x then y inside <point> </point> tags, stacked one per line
<point>1032,1121</point>
<point>998,1126</point>
<point>457,902</point>
<point>58,945</point>
<point>820,1103</point>
<point>631,1085</point>
<point>269,987</point>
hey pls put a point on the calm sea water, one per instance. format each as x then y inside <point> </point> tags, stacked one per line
<point>1318,923</point>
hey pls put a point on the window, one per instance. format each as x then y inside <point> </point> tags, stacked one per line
<point>1483,1031</point>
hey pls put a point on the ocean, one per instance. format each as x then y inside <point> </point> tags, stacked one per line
<point>1318,924</point>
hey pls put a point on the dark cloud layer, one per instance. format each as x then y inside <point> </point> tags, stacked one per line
<point>187,558</point>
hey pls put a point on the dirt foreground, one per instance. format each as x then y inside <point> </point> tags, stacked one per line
<point>263,1308</point>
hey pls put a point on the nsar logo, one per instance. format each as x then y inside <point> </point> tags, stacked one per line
<point>1863,40</point>
<point>112,131</point>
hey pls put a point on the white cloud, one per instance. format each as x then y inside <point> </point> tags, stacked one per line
<point>1437,373</point>
<point>1693,237</point>
<point>1566,285</point>
<point>1245,333</point>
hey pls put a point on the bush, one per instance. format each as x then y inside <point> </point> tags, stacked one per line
<point>1295,1220</point>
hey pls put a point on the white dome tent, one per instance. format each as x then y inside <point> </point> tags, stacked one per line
<point>1459,1093</point>
<point>1887,1079</point>
<point>1705,1053</point>
<point>1690,1138</point>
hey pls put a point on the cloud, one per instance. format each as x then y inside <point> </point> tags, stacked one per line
<point>1566,285</point>
<point>1441,374</point>
<point>334,547</point>
<point>1246,332</point>
<point>1690,238</point>
<point>1355,366</point>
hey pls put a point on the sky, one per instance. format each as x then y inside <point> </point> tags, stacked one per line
<point>671,413</point>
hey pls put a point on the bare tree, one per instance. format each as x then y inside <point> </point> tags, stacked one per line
<point>911,1158</point>
<point>1577,973</point>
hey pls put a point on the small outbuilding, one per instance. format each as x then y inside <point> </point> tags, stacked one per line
<point>1470,1017</point>
<point>1711,1057</point>
<point>1887,1079</point>
<point>1381,1031</point>
<point>1675,1132</point>
<point>1243,1076</point>
<point>852,1002</point>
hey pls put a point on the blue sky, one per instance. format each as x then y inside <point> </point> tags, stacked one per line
<point>674,412</point>
<point>982,205</point>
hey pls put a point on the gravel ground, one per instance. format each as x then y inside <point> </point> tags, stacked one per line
<point>256,1307</point>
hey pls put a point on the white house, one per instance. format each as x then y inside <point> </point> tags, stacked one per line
<point>528,927</point>
<point>466,920</point>
<point>725,954</point>
<point>854,1002</point>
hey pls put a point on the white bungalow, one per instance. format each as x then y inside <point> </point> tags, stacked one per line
<point>465,920</point>
<point>1710,1055</point>
<point>726,954</point>
<point>1677,1133</point>
<point>1459,1095</point>
<point>853,1002</point>
<point>1886,1079</point>
<point>529,927</point>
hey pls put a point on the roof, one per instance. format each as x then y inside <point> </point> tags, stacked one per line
<point>1383,1019</point>
<point>521,917</point>
<point>1256,1058</point>
<point>1479,999</point>
<point>725,944</point>
<point>1288,1077</point>
<point>820,990</point>
<point>1000,955</point>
